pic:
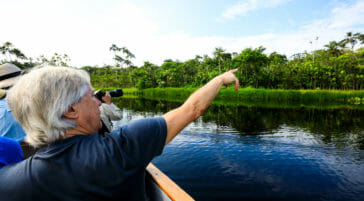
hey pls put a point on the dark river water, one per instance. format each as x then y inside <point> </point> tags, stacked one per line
<point>256,153</point>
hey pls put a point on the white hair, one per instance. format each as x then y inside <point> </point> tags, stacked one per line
<point>41,97</point>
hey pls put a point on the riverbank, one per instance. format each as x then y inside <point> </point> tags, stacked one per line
<point>351,97</point>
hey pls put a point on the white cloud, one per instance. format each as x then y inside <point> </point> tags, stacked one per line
<point>343,18</point>
<point>347,16</point>
<point>86,33</point>
<point>83,29</point>
<point>241,8</point>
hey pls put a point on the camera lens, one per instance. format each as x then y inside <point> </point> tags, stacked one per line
<point>116,93</point>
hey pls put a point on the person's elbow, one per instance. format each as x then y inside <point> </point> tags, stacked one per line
<point>193,112</point>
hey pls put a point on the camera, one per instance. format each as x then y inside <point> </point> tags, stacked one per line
<point>114,93</point>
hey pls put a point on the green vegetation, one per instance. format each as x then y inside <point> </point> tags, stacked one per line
<point>320,75</point>
<point>249,96</point>
<point>337,66</point>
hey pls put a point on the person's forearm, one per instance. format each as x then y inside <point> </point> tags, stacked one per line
<point>200,100</point>
<point>196,104</point>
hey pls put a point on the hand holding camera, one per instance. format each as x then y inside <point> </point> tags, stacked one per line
<point>107,98</point>
<point>108,94</point>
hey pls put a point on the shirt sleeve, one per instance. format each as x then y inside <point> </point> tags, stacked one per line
<point>111,111</point>
<point>141,140</point>
<point>10,151</point>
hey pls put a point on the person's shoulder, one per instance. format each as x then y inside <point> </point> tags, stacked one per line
<point>141,125</point>
<point>158,119</point>
<point>151,121</point>
<point>14,177</point>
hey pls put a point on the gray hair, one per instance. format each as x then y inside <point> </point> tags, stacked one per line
<point>41,97</point>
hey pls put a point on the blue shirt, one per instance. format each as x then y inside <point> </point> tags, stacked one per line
<point>88,167</point>
<point>9,126</point>
<point>10,152</point>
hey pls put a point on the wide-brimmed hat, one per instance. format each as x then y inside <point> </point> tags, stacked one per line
<point>9,75</point>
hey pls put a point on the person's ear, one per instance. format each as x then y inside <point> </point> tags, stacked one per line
<point>71,113</point>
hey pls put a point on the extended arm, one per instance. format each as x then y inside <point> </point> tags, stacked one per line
<point>196,104</point>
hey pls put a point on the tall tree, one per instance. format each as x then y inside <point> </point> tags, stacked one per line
<point>351,39</point>
<point>250,62</point>
<point>8,49</point>
<point>218,56</point>
<point>56,60</point>
<point>122,56</point>
<point>333,48</point>
<point>18,54</point>
<point>5,50</point>
<point>313,43</point>
<point>59,60</point>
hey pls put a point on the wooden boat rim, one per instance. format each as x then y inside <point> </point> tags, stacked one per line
<point>171,189</point>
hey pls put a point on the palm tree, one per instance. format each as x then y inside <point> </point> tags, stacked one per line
<point>333,48</point>
<point>114,48</point>
<point>17,53</point>
<point>361,38</point>
<point>119,60</point>
<point>128,56</point>
<point>122,59</point>
<point>218,56</point>
<point>351,39</point>
<point>313,49</point>
<point>5,50</point>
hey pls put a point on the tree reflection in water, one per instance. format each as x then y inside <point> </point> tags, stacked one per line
<point>339,126</point>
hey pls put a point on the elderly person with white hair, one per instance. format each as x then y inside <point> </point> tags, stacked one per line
<point>60,114</point>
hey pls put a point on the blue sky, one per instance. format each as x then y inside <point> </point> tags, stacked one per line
<point>155,30</point>
<point>206,17</point>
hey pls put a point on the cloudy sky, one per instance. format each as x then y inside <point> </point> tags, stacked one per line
<point>155,30</point>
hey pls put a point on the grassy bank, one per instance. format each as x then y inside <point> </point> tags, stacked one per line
<point>251,94</point>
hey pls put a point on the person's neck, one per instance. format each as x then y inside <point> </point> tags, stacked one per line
<point>75,131</point>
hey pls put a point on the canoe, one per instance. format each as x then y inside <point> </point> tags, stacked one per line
<point>159,187</point>
<point>162,187</point>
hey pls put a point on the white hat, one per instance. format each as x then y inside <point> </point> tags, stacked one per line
<point>9,75</point>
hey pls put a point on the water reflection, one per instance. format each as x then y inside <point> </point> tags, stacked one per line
<point>253,153</point>
<point>342,127</point>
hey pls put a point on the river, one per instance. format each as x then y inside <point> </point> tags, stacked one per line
<point>263,153</point>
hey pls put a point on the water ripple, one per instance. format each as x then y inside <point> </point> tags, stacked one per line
<point>287,162</point>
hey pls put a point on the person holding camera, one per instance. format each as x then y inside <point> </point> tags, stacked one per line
<point>108,112</point>
<point>61,114</point>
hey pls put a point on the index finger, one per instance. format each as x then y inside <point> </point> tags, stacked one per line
<point>236,79</point>
<point>237,84</point>
<point>234,70</point>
